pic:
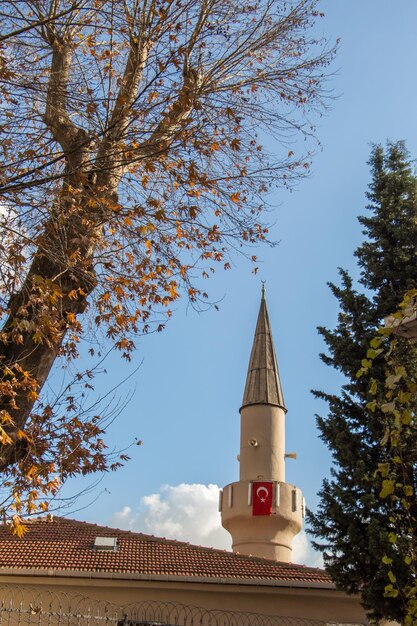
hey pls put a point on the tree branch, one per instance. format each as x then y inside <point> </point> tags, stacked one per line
<point>72,139</point>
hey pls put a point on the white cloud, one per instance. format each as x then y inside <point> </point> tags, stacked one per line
<point>189,512</point>
<point>304,553</point>
<point>184,512</point>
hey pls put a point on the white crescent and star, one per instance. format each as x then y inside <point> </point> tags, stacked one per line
<point>259,491</point>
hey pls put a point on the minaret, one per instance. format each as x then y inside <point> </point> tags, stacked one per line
<point>261,511</point>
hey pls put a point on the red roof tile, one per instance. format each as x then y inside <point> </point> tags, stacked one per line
<point>67,545</point>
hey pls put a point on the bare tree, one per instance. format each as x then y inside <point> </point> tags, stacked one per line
<point>131,163</point>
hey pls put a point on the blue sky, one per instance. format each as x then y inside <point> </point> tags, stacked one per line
<point>188,388</point>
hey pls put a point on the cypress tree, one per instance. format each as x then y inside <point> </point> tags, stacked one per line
<point>351,527</point>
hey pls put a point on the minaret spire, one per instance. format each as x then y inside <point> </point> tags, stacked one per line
<point>263,384</point>
<point>261,511</point>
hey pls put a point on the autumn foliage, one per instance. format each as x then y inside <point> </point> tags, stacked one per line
<point>131,164</point>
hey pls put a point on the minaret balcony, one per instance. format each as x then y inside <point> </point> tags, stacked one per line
<point>270,535</point>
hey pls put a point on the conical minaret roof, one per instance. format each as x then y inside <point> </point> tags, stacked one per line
<point>263,385</point>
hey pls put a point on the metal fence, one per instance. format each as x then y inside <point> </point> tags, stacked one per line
<point>33,607</point>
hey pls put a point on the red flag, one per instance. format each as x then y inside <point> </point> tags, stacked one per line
<point>262,498</point>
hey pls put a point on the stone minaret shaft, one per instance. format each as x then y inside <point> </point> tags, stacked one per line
<point>262,459</point>
<point>263,410</point>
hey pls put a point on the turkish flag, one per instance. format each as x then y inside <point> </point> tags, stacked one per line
<point>262,498</point>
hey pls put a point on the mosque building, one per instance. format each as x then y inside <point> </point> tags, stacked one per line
<point>69,571</point>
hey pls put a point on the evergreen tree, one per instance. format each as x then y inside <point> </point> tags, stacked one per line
<point>352,526</point>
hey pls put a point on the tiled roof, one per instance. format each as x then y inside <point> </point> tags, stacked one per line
<point>63,545</point>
